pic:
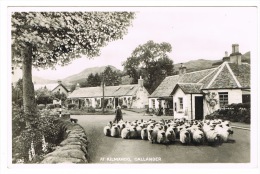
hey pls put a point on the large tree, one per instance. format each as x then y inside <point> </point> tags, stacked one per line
<point>111,78</point>
<point>47,39</point>
<point>150,61</point>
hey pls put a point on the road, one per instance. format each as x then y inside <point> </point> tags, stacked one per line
<point>104,149</point>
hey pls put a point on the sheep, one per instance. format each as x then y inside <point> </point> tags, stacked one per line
<point>224,132</point>
<point>185,137</point>
<point>115,131</point>
<point>121,127</point>
<point>150,127</point>
<point>144,134</point>
<point>139,129</point>
<point>133,132</point>
<point>198,137</point>
<point>152,136</point>
<point>161,137</point>
<point>213,137</point>
<point>170,134</point>
<point>125,133</point>
<point>107,131</point>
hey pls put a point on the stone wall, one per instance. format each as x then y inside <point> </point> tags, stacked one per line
<point>73,148</point>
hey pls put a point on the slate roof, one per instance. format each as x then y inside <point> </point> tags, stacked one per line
<point>190,88</point>
<point>110,91</point>
<point>166,87</point>
<point>225,76</point>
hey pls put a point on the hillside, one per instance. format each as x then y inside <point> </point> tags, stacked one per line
<point>195,65</point>
<point>82,76</point>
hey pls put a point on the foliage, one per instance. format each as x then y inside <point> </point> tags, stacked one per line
<point>150,61</point>
<point>43,96</point>
<point>17,93</point>
<point>234,112</point>
<point>93,80</point>
<point>59,95</point>
<point>60,37</point>
<point>50,106</point>
<point>111,78</point>
<point>26,137</point>
<point>41,106</point>
<point>71,106</point>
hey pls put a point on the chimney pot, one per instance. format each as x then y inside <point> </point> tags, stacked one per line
<point>182,69</point>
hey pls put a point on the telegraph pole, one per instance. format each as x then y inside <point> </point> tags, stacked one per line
<point>103,90</point>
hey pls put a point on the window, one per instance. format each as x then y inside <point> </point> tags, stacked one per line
<point>223,99</point>
<point>153,102</point>
<point>180,103</point>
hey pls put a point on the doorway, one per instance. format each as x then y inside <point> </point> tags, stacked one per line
<point>198,108</point>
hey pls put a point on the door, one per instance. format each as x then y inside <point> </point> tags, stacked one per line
<point>198,108</point>
<point>116,102</point>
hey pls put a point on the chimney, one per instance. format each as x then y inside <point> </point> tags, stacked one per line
<point>182,69</point>
<point>235,56</point>
<point>141,82</point>
<point>59,82</point>
<point>77,86</point>
<point>226,58</point>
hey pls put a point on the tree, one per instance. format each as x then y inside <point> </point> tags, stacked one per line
<point>111,78</point>
<point>93,80</point>
<point>43,96</point>
<point>47,39</point>
<point>150,61</point>
<point>59,95</point>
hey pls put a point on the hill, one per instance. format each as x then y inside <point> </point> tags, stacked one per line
<point>82,76</point>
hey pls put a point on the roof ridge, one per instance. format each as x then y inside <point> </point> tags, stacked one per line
<point>216,75</point>
<point>207,75</point>
<point>233,75</point>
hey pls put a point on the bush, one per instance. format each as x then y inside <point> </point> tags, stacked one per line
<point>234,112</point>
<point>72,106</point>
<point>124,106</point>
<point>42,127</point>
<point>91,109</point>
<point>41,106</point>
<point>50,106</point>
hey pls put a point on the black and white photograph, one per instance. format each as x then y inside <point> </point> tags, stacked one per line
<point>125,85</point>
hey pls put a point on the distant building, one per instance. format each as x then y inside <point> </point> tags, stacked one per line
<point>196,94</point>
<point>130,96</point>
<point>55,87</point>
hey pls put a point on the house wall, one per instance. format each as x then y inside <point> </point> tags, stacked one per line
<point>151,103</point>
<point>234,96</point>
<point>141,99</point>
<point>61,89</point>
<point>178,112</point>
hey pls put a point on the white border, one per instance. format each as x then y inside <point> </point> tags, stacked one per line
<point>186,168</point>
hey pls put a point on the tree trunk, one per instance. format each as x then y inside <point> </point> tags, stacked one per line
<point>28,88</point>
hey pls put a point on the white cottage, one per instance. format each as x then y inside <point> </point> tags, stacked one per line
<point>197,94</point>
<point>130,96</point>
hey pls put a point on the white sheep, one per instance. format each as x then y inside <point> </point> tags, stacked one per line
<point>125,133</point>
<point>198,136</point>
<point>212,136</point>
<point>107,131</point>
<point>144,134</point>
<point>185,137</point>
<point>161,137</point>
<point>115,131</point>
<point>224,132</point>
<point>139,129</point>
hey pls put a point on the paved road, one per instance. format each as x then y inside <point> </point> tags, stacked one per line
<point>104,149</point>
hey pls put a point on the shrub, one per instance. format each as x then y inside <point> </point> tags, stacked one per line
<point>43,128</point>
<point>72,106</point>
<point>41,106</point>
<point>91,109</point>
<point>50,106</point>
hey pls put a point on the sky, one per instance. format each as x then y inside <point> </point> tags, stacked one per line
<point>193,32</point>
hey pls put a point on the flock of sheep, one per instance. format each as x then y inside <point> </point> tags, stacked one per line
<point>212,132</point>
